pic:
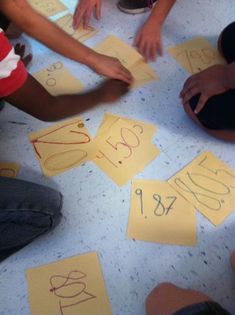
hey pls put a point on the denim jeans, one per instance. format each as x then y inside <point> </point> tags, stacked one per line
<point>27,210</point>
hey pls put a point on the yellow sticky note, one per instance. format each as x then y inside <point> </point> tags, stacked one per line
<point>159,214</point>
<point>62,146</point>
<point>114,47</point>
<point>109,119</point>
<point>47,7</point>
<point>142,74</point>
<point>79,34</point>
<point>57,80</point>
<point>9,169</point>
<point>129,57</point>
<point>68,287</point>
<point>196,55</point>
<point>124,150</point>
<point>209,185</point>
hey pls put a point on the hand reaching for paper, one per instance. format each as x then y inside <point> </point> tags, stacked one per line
<point>111,68</point>
<point>207,83</point>
<point>84,10</point>
<point>149,41</point>
<point>112,90</point>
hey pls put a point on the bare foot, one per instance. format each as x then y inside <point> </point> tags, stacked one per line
<point>232,260</point>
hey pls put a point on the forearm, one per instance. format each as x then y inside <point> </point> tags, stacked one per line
<point>161,11</point>
<point>33,99</point>
<point>69,105</point>
<point>35,25</point>
<point>230,76</point>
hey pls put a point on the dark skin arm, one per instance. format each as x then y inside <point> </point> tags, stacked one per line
<point>33,99</point>
<point>212,81</point>
<point>28,20</point>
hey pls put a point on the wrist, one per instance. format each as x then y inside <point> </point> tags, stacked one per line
<point>154,22</point>
<point>91,59</point>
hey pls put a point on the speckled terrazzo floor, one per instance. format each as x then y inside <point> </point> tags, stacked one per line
<point>95,209</point>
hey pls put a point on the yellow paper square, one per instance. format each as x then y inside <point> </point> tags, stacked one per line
<point>209,185</point>
<point>80,34</point>
<point>114,47</point>
<point>129,57</point>
<point>9,169</point>
<point>62,146</point>
<point>47,7</point>
<point>142,74</point>
<point>109,119</point>
<point>124,150</point>
<point>159,214</point>
<point>57,80</point>
<point>196,55</point>
<point>71,286</point>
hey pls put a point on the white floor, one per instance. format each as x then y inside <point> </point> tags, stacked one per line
<point>95,209</point>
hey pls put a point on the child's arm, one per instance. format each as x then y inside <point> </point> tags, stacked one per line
<point>31,22</point>
<point>33,99</point>
<point>210,82</point>
<point>148,39</point>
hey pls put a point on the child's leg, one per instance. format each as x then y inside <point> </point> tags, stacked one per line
<point>217,117</point>
<point>33,99</point>
<point>27,210</point>
<point>166,299</point>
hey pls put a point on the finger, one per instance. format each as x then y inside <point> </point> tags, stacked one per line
<point>86,18</point>
<point>22,51</point>
<point>137,40</point>
<point>17,48</point>
<point>147,51</point>
<point>77,17</point>
<point>188,88</point>
<point>98,11</point>
<point>160,49</point>
<point>124,76</point>
<point>153,52</point>
<point>189,94</point>
<point>189,83</point>
<point>123,86</point>
<point>26,60</point>
<point>201,103</point>
<point>141,45</point>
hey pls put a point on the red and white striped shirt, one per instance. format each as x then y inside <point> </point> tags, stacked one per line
<point>13,73</point>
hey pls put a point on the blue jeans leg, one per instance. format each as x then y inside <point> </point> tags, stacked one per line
<point>27,210</point>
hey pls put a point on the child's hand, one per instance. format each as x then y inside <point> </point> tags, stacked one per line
<point>112,90</point>
<point>208,83</point>
<point>111,68</point>
<point>84,11</point>
<point>148,41</point>
<point>20,50</point>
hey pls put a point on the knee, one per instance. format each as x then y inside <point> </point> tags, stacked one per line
<point>160,289</point>
<point>225,47</point>
<point>158,297</point>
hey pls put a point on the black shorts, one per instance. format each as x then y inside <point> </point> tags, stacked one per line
<point>219,111</point>
<point>206,308</point>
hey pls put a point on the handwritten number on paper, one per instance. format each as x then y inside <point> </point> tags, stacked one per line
<point>205,56</point>
<point>161,208</point>
<point>205,183</point>
<point>71,290</point>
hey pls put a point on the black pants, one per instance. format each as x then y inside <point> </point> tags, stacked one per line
<point>219,111</point>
